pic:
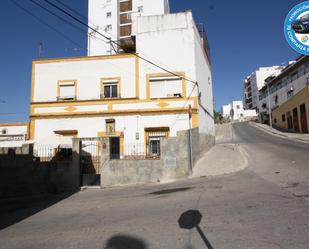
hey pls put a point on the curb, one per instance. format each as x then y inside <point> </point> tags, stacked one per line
<point>277,134</point>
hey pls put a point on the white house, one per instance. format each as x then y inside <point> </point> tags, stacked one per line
<point>122,96</point>
<point>13,134</point>
<point>113,18</point>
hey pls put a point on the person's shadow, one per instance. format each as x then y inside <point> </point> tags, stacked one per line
<point>125,242</point>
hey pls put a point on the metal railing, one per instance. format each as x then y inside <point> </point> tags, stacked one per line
<point>48,153</point>
<point>138,151</point>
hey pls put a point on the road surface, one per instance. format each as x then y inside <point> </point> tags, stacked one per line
<point>265,206</point>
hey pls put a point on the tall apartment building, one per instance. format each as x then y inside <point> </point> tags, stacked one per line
<point>113,18</point>
<point>254,82</point>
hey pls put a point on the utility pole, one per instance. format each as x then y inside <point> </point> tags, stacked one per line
<point>190,138</point>
<point>269,108</point>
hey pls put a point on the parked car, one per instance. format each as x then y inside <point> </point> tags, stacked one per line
<point>301,25</point>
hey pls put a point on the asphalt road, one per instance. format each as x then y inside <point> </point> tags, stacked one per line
<point>262,207</point>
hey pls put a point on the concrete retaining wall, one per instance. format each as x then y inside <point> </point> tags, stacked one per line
<point>21,175</point>
<point>173,164</point>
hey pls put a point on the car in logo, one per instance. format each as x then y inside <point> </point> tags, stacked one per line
<point>301,25</point>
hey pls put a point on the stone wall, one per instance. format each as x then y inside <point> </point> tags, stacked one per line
<point>173,164</point>
<point>21,175</point>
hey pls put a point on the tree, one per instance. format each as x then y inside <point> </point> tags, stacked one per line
<point>218,117</point>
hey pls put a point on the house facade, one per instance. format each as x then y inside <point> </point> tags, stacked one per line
<point>122,96</point>
<point>280,89</point>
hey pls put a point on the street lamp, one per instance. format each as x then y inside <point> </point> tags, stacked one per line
<point>269,108</point>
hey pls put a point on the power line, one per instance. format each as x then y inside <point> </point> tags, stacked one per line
<point>46,24</point>
<point>110,40</point>
<point>61,18</point>
<point>60,33</point>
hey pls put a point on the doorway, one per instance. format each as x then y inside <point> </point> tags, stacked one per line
<point>303,118</point>
<point>114,148</point>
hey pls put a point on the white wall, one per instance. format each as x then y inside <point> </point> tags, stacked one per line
<point>178,48</point>
<point>87,73</point>
<point>89,127</point>
<point>226,110</point>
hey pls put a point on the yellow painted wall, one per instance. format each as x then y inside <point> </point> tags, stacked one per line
<point>300,98</point>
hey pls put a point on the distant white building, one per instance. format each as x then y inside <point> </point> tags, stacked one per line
<point>226,111</point>
<point>113,18</point>
<point>13,134</point>
<point>236,112</point>
<point>254,82</point>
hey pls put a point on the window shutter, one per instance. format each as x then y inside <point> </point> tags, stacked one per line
<point>157,89</point>
<point>67,91</point>
<point>173,86</point>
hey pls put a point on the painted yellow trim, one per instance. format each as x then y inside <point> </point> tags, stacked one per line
<point>14,124</point>
<point>194,120</point>
<point>106,101</point>
<point>115,112</point>
<point>32,129</point>
<point>118,79</point>
<point>182,75</point>
<point>32,82</point>
<point>104,134</point>
<point>109,103</point>
<point>84,58</point>
<point>108,114</point>
<point>66,82</point>
<point>137,77</point>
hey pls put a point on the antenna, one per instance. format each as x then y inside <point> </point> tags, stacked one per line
<point>40,49</point>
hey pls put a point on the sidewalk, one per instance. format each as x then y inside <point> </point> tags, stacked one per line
<point>221,159</point>
<point>304,138</point>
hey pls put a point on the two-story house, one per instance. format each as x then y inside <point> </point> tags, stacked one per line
<point>124,97</point>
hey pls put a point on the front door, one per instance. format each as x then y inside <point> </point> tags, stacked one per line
<point>114,148</point>
<point>303,119</point>
<point>295,120</point>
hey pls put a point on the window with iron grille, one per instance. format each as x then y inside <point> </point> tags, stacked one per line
<point>153,136</point>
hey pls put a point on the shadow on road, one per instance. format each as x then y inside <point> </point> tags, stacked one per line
<point>191,219</point>
<point>125,242</point>
<point>15,210</point>
<point>169,191</point>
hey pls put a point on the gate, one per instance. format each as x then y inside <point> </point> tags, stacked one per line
<point>90,161</point>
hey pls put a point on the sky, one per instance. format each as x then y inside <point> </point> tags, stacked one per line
<point>243,35</point>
